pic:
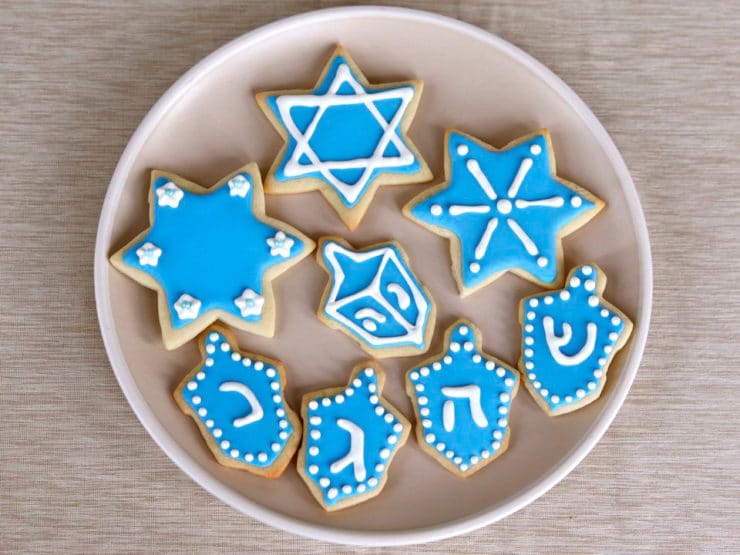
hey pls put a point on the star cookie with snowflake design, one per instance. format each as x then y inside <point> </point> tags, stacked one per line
<point>345,137</point>
<point>351,436</point>
<point>211,254</point>
<point>462,399</point>
<point>503,210</point>
<point>237,401</point>
<point>569,338</point>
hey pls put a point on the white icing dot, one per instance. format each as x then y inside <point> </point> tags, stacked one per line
<point>213,337</point>
<point>529,340</point>
<point>490,365</point>
<point>398,427</point>
<point>463,330</point>
<point>593,301</point>
<point>580,393</point>
<point>426,423</point>
<point>608,349</point>
<point>533,302</point>
<point>591,386</point>
<point>529,328</point>
<point>497,434</point>
<point>530,315</point>
<point>555,399</point>
<point>249,457</point>
<point>447,359</point>
<point>372,388</point>
<point>192,386</point>
<point>379,467</point>
<point>225,444</point>
<point>313,469</point>
<point>436,210</point>
<point>528,353</point>
<point>424,411</point>
<point>332,493</point>
<point>340,399</point>
<point>430,438</point>
<point>568,399</point>
<point>210,349</point>
<point>372,482</point>
<point>532,376</point>
<point>392,439</point>
<point>587,270</point>
<point>379,410</point>
<point>361,488</point>
<point>500,372</point>
<point>422,400</point>
<point>324,482</point>
<point>259,365</point>
<point>270,373</point>
<point>349,392</point>
<point>463,150</point>
<point>598,373</point>
<point>457,460</point>
<point>234,453</point>
<point>276,398</point>
<point>529,365</point>
<point>424,371</point>
<point>477,358</point>
<point>262,457</point>
<point>454,347</point>
<point>535,149</point>
<point>544,392</point>
<point>564,295</point>
<point>196,399</point>
<point>200,375</point>
<point>437,366</point>
<point>246,362</point>
<point>604,313</point>
<point>368,372</point>
<point>347,489</point>
<point>616,321</point>
<point>419,387</point>
<point>313,450</point>
<point>385,453</point>
<point>202,411</point>
<point>236,357</point>
<point>315,434</point>
<point>440,446</point>
<point>509,382</point>
<point>325,402</point>
<point>485,454</point>
<point>474,460</point>
<point>575,282</point>
<point>548,299</point>
<point>474,267</point>
<point>576,202</point>
<point>414,376</point>
<point>389,417</point>
<point>541,261</point>
<point>613,336</point>
<point>504,397</point>
<point>373,399</point>
<point>225,347</point>
<point>357,382</point>
<point>468,346</point>
<point>449,454</point>
<point>590,285</point>
<point>209,423</point>
<point>495,445</point>
<point>209,362</point>
<point>463,467</point>
<point>283,435</point>
<point>275,447</point>
<point>601,361</point>
<point>503,205</point>
<point>536,384</point>
<point>275,386</point>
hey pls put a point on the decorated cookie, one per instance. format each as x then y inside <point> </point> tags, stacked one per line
<point>503,210</point>
<point>344,137</point>
<point>211,254</point>
<point>351,436</point>
<point>569,339</point>
<point>462,399</point>
<point>236,399</point>
<point>373,297</point>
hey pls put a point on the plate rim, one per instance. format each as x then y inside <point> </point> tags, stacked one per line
<point>202,477</point>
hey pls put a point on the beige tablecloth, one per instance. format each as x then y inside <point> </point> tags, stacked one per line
<point>78,473</point>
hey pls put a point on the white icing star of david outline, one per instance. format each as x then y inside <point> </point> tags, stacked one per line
<point>350,200</point>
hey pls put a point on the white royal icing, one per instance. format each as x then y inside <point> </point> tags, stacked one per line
<point>249,303</point>
<point>187,307</point>
<point>170,195</point>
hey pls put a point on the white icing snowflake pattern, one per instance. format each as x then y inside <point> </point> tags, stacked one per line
<point>148,254</point>
<point>249,303</point>
<point>280,244</point>
<point>187,307</point>
<point>170,195</point>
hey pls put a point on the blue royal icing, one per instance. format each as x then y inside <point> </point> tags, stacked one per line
<point>209,251</point>
<point>374,296</point>
<point>344,133</point>
<point>350,438</point>
<point>506,208</point>
<point>239,403</point>
<point>462,401</point>
<point>568,339</point>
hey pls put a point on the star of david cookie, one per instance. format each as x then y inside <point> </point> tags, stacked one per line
<point>351,436</point>
<point>236,399</point>
<point>211,254</point>
<point>344,137</point>
<point>503,210</point>
<point>462,399</point>
<point>374,297</point>
<point>569,338</point>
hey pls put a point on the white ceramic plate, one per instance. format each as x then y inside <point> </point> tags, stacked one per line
<point>207,124</point>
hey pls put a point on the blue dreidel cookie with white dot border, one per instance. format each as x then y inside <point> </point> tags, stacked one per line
<point>462,399</point>
<point>569,338</point>
<point>374,297</point>
<point>237,400</point>
<point>344,137</point>
<point>503,210</point>
<point>211,254</point>
<point>351,435</point>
